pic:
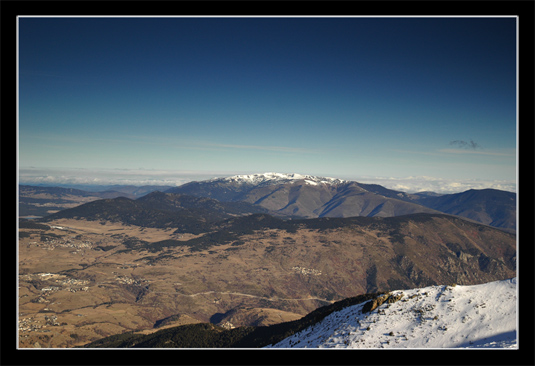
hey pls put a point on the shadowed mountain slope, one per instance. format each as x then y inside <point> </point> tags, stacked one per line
<point>211,336</point>
<point>310,196</point>
<point>159,210</point>
<point>305,196</point>
<point>488,206</point>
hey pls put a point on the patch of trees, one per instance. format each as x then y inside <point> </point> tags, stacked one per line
<point>158,210</point>
<point>29,224</point>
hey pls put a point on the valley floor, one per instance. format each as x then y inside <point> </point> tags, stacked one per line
<point>82,280</point>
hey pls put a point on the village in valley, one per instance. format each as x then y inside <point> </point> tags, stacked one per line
<point>52,284</point>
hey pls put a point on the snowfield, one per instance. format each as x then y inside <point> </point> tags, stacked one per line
<point>479,316</point>
<point>275,178</point>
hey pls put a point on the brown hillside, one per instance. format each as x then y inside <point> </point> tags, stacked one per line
<point>101,279</point>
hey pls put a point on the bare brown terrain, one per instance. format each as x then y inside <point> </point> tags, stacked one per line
<point>77,286</point>
<point>80,280</point>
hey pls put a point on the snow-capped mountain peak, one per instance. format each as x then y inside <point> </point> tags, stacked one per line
<point>275,178</point>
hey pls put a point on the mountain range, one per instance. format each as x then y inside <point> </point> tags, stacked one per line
<point>281,195</point>
<point>244,251</point>
<point>298,196</point>
<point>310,196</point>
<point>301,195</point>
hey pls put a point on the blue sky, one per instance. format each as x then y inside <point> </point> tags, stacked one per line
<point>404,99</point>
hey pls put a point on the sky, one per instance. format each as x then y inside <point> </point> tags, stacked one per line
<point>409,103</point>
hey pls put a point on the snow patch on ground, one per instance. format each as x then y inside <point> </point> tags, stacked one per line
<point>478,316</point>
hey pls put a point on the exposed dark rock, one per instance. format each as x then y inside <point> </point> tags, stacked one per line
<point>374,303</point>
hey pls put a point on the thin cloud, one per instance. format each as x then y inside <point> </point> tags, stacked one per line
<point>459,151</point>
<point>264,148</point>
<point>441,152</point>
<point>207,145</point>
<point>138,177</point>
<point>468,145</point>
<point>414,184</point>
<point>411,184</point>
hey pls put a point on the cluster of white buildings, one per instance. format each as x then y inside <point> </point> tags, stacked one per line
<point>306,271</point>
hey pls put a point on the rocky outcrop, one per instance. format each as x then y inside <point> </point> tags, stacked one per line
<point>379,300</point>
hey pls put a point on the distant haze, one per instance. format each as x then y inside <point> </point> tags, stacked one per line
<point>139,177</point>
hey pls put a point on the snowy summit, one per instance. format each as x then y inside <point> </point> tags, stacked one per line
<point>478,316</point>
<point>276,178</point>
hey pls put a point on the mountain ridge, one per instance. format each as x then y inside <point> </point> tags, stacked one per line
<point>301,195</point>
<point>272,177</point>
<point>446,316</point>
<point>312,196</point>
<point>488,206</point>
<point>159,210</point>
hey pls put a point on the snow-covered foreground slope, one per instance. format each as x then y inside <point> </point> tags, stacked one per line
<point>479,316</point>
